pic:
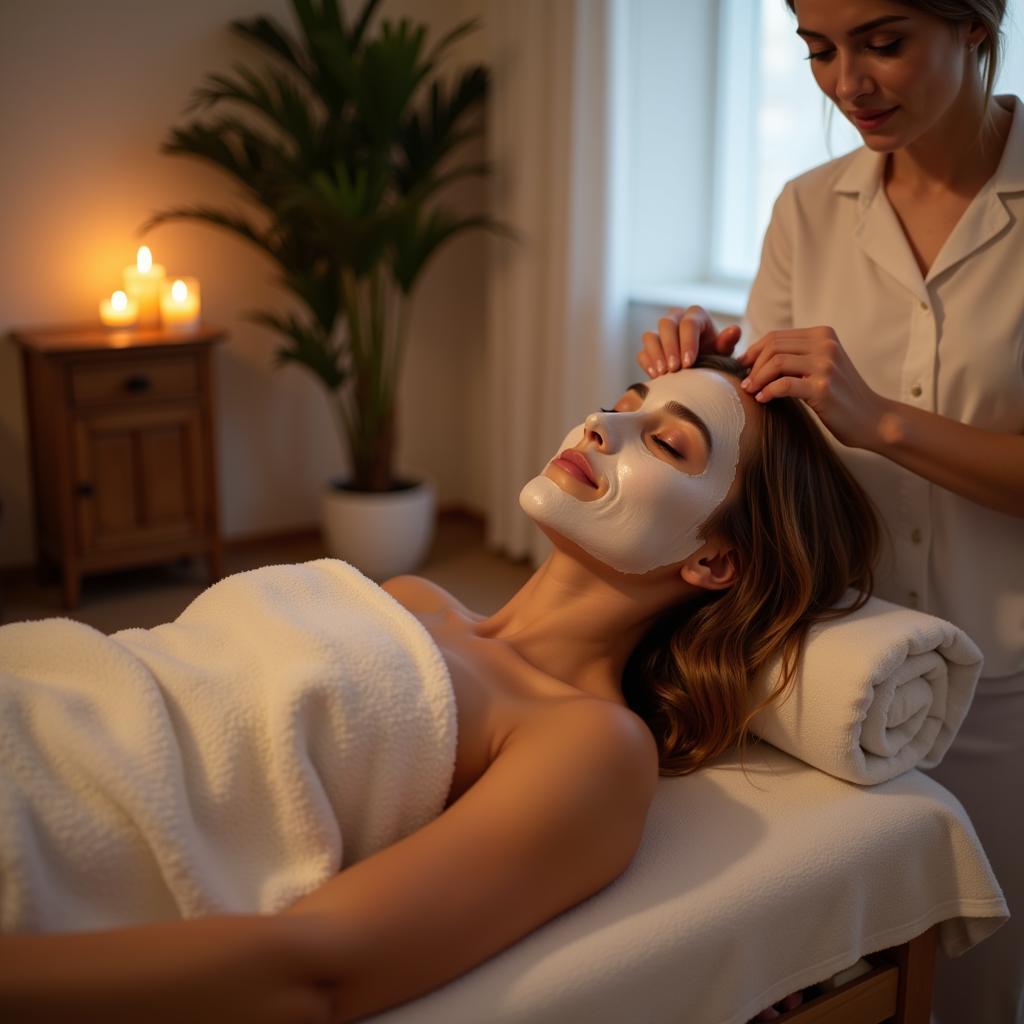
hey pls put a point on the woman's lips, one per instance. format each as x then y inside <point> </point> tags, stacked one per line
<point>576,464</point>
<point>872,119</point>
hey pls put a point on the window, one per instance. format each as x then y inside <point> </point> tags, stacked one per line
<point>722,112</point>
<point>772,127</point>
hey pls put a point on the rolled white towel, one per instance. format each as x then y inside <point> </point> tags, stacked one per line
<point>878,692</point>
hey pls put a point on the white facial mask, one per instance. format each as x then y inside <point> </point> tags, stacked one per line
<point>651,511</point>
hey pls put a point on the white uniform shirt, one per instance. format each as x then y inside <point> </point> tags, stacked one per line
<point>952,343</point>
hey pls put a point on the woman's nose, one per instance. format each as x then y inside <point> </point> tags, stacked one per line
<point>597,427</point>
<point>852,81</point>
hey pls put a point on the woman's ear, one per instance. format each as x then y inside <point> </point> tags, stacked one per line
<point>713,568</point>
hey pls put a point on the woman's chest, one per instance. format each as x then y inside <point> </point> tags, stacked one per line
<point>495,695</point>
<point>954,346</point>
<point>926,224</point>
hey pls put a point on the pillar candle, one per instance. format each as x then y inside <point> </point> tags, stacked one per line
<point>179,304</point>
<point>119,310</point>
<point>142,283</point>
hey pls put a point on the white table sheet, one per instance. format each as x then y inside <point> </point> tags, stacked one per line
<point>744,889</point>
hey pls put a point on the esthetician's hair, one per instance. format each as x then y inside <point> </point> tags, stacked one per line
<point>989,13</point>
<point>804,532</point>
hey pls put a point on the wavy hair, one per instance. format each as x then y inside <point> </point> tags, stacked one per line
<point>804,532</point>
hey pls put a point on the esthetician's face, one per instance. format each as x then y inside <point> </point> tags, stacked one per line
<point>913,64</point>
<point>633,485</point>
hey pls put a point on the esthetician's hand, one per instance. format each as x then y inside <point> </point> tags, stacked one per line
<point>811,363</point>
<point>682,334</point>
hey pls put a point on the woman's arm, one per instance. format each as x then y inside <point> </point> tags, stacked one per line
<point>263,970</point>
<point>980,465</point>
<point>557,816</point>
<point>983,466</point>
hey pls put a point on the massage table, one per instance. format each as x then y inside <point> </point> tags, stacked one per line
<point>747,885</point>
<point>746,888</point>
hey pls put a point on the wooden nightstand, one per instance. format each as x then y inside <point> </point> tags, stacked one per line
<point>123,462</point>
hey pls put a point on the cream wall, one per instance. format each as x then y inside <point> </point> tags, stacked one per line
<point>88,91</point>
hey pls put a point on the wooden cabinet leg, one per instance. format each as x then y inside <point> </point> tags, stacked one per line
<point>917,971</point>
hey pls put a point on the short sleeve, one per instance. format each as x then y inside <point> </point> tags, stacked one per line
<point>770,303</point>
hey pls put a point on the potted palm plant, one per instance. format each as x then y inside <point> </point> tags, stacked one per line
<point>354,137</point>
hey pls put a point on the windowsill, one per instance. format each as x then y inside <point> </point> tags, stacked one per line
<point>717,299</point>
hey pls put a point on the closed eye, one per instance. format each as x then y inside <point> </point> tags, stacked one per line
<point>675,454</point>
<point>886,50</point>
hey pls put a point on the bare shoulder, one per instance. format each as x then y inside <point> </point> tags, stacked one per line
<point>421,595</point>
<point>595,743</point>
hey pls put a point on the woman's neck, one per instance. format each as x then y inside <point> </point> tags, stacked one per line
<point>950,157</point>
<point>579,625</point>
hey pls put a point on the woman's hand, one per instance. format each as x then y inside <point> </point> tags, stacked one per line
<point>811,363</point>
<point>683,335</point>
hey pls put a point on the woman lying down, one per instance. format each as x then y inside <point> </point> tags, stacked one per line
<point>310,798</point>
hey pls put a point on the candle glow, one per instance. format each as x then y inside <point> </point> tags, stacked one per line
<point>143,282</point>
<point>179,304</point>
<point>119,310</point>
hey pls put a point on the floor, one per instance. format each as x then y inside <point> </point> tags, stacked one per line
<point>458,561</point>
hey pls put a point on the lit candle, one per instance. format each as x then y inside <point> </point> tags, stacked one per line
<point>142,283</point>
<point>179,304</point>
<point>119,310</point>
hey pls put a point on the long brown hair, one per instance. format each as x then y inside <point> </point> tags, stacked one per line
<point>804,532</point>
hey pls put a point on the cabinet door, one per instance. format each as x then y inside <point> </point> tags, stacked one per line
<point>139,475</point>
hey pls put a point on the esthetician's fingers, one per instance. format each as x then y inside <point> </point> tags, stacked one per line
<point>769,368</point>
<point>651,356</point>
<point>775,342</point>
<point>681,337</point>
<point>727,339</point>
<point>696,334</point>
<point>669,333</point>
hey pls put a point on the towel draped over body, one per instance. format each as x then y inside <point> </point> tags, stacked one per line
<point>291,721</point>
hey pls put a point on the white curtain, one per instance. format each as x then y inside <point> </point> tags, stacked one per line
<point>556,317</point>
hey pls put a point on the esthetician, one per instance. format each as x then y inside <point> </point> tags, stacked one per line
<point>890,298</point>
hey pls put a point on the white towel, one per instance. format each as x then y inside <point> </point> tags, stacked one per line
<point>879,691</point>
<point>291,721</point>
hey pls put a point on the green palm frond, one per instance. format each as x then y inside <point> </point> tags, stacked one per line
<point>343,143</point>
<point>308,346</point>
<point>275,97</point>
<point>267,33</point>
<point>421,236</point>
<point>430,134</point>
<point>233,222</point>
<point>435,55</point>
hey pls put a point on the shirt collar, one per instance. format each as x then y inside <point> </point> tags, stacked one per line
<point>863,171</point>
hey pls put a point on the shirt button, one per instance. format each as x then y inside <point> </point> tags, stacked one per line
<point>916,536</point>
<point>916,390</point>
<point>924,306</point>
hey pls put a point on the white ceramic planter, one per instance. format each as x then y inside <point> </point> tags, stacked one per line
<point>384,534</point>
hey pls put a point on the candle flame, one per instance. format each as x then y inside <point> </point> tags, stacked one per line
<point>179,291</point>
<point>144,259</point>
<point>119,300</point>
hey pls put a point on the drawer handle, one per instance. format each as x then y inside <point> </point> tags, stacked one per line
<point>137,382</point>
